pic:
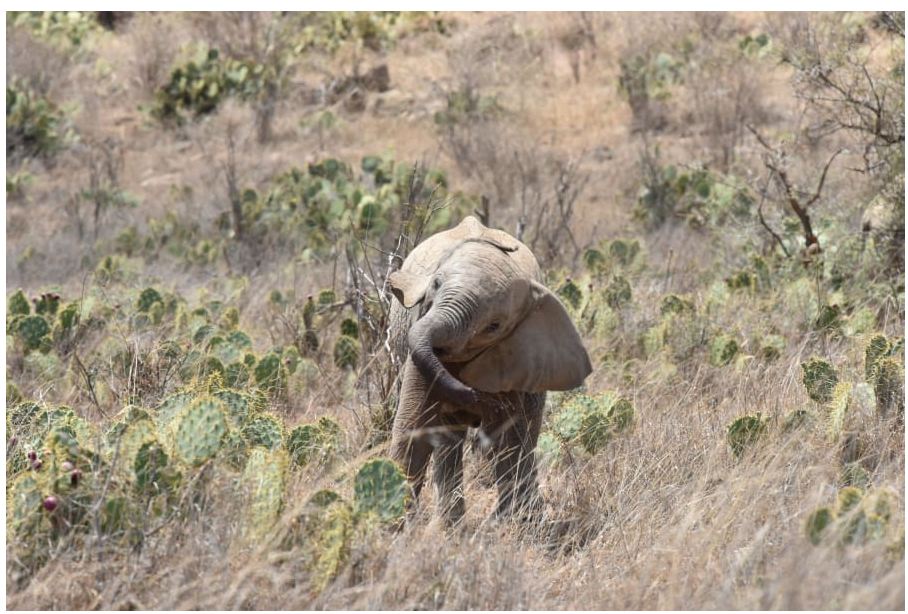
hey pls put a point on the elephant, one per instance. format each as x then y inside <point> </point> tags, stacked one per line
<point>480,340</point>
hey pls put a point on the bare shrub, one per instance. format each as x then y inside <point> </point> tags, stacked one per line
<point>43,67</point>
<point>855,90</point>
<point>725,89</point>
<point>260,37</point>
<point>153,51</point>
<point>103,163</point>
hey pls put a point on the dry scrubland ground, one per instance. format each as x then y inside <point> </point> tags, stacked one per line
<point>619,144</point>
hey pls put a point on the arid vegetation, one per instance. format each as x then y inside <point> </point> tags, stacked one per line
<point>202,211</point>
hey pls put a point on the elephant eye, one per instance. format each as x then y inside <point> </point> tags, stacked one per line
<point>491,328</point>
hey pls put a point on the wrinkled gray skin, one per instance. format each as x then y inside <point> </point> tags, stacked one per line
<point>481,340</point>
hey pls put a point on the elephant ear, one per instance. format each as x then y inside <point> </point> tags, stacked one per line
<point>409,288</point>
<point>543,353</point>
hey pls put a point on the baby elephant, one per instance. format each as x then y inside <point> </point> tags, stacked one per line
<point>481,340</point>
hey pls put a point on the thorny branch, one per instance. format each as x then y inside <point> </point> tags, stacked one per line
<point>774,160</point>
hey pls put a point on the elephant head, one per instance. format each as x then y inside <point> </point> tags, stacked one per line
<point>483,313</point>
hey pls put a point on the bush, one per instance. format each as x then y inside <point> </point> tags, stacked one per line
<point>200,85</point>
<point>34,125</point>
<point>700,197</point>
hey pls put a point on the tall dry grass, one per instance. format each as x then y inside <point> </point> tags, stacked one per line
<point>665,517</point>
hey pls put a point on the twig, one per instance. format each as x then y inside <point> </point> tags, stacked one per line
<point>763,220</point>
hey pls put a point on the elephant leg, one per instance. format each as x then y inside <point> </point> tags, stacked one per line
<point>448,472</point>
<point>514,433</point>
<point>411,444</point>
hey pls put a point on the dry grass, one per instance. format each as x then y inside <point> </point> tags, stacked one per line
<point>665,517</point>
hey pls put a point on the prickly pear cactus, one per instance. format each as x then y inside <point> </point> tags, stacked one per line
<point>311,442</point>
<point>331,545</point>
<point>889,377</point>
<point>820,379</point>
<point>149,297</point>
<point>171,407</point>
<point>24,503</point>
<point>238,406</point>
<point>722,350</point>
<point>594,260</point>
<point>817,524</point>
<point>69,317</point>
<point>548,447</point>
<point>349,328</point>
<point>126,437</point>
<point>264,479</point>
<point>567,423</point>
<point>380,488</point>
<point>623,252</point>
<point>199,430</point>
<point>849,498</point>
<point>744,432</point>
<point>326,297</point>
<point>33,331</point>
<point>618,292</point>
<point>853,474</point>
<point>570,293</point>
<point>592,420</point>
<point>838,409</point>
<point>264,430</point>
<point>829,318</point>
<point>269,373</point>
<point>152,472</point>
<point>346,352</point>
<point>236,375</point>
<point>877,348</point>
<point>672,303</point>
<point>17,305</point>
<point>771,347</point>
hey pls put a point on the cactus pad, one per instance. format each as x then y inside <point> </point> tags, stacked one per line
<point>238,406</point>
<point>199,429</point>
<point>889,377</point>
<point>265,430</point>
<point>263,478</point>
<point>152,472</point>
<point>17,305</point>
<point>310,442</point>
<point>149,297</point>
<point>24,504</point>
<point>380,487</point>
<point>618,292</point>
<point>269,373</point>
<point>848,499</point>
<point>331,545</point>
<point>592,420</point>
<point>33,331</point>
<point>838,408</point>
<point>771,347</point>
<point>349,328</point>
<point>877,348</point>
<point>820,379</point>
<point>171,406</point>
<point>745,431</point>
<point>853,474</point>
<point>346,352</point>
<point>817,523</point>
<point>570,293</point>
<point>722,350</point>
<point>672,303</point>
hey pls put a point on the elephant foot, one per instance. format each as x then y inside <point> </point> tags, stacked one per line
<point>527,510</point>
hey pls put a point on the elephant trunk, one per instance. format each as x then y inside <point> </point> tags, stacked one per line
<point>426,334</point>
